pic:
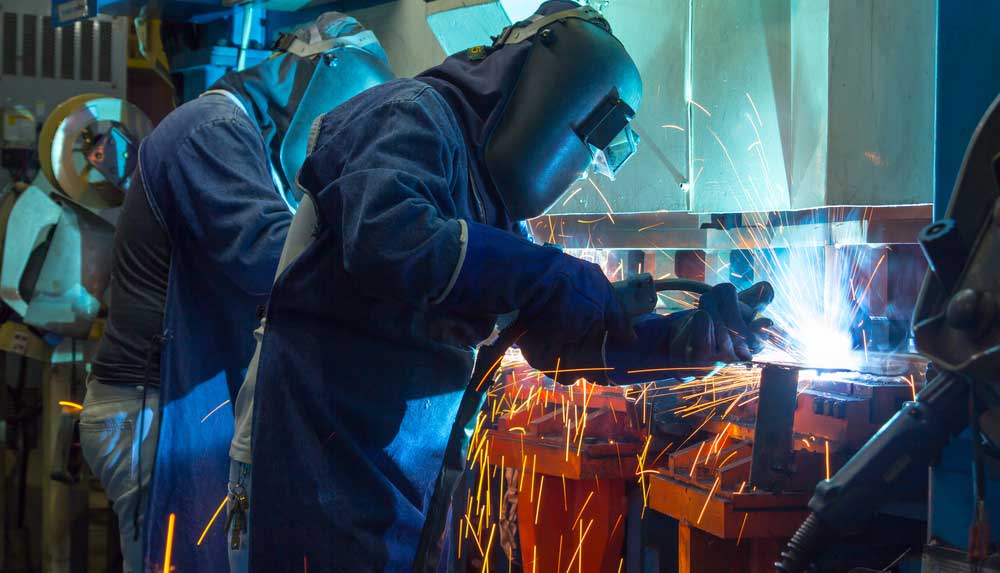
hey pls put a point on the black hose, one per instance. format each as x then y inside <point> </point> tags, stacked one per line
<point>804,547</point>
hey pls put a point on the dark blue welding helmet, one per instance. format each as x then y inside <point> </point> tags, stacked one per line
<point>569,112</point>
<point>344,59</point>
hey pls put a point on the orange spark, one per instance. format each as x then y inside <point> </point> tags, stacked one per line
<point>827,445</point>
<point>571,194</point>
<point>582,509</point>
<point>489,544</point>
<point>709,498</point>
<point>696,456</point>
<point>603,198</point>
<point>740,537</point>
<point>538,505</point>
<point>68,404</point>
<point>169,550</point>
<point>565,502</point>
<point>211,521</point>
<point>729,457</point>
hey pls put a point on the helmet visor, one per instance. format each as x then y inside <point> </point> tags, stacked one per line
<point>609,159</point>
<point>607,133</point>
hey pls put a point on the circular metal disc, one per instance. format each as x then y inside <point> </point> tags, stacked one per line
<point>75,126</point>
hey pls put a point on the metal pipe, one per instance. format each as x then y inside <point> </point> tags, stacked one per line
<point>241,59</point>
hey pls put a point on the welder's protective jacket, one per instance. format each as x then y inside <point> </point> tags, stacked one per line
<point>206,173</point>
<point>360,375</point>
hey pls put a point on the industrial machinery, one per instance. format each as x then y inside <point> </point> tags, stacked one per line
<point>728,456</point>
<point>956,328</point>
<point>56,239</point>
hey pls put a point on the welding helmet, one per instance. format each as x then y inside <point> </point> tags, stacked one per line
<point>344,60</point>
<point>570,110</point>
<point>313,70</point>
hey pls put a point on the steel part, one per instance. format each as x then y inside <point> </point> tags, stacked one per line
<point>56,262</point>
<point>771,465</point>
<point>911,439</point>
<point>944,250</point>
<point>29,224</point>
<point>973,241</point>
<point>65,464</point>
<point>68,293</point>
<point>69,141</point>
<point>787,229</point>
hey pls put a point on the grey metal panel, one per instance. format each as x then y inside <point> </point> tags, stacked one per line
<point>87,50</point>
<point>461,24</point>
<point>9,43</point>
<point>655,34</point>
<point>810,88</point>
<point>881,108</point>
<point>104,36</point>
<point>68,49</point>
<point>29,45</point>
<point>48,48</point>
<point>402,30</point>
<point>741,125</point>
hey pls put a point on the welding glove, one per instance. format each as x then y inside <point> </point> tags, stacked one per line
<point>737,316</point>
<point>556,295</point>
<point>724,329</point>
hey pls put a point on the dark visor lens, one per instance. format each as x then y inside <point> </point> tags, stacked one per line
<point>620,149</point>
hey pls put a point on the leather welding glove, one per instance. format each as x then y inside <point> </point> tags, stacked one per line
<point>738,330</point>
<point>564,297</point>
<point>724,329</point>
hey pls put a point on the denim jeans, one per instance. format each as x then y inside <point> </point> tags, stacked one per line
<point>239,485</point>
<point>114,450</point>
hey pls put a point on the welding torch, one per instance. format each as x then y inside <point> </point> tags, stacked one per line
<point>638,297</point>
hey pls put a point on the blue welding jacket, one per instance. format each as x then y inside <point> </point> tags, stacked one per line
<point>360,376</point>
<point>360,373</point>
<point>206,174</point>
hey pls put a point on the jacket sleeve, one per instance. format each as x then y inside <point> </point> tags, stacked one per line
<point>384,182</point>
<point>226,201</point>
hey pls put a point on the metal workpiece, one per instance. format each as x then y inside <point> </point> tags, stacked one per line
<point>830,226</point>
<point>771,463</point>
<point>88,148</point>
<point>56,261</point>
<point>911,439</point>
<point>955,322</point>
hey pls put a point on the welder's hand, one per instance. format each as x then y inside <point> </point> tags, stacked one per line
<point>735,325</point>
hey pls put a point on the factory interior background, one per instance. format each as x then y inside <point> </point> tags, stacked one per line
<point>847,152</point>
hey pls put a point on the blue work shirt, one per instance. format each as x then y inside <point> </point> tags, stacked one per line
<point>206,173</point>
<point>360,374</point>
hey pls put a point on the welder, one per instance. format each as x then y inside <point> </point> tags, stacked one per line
<point>195,253</point>
<point>414,243</point>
